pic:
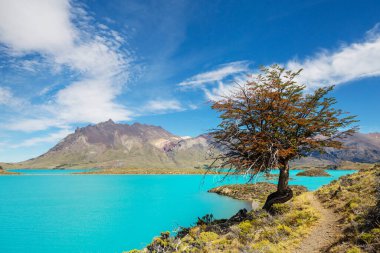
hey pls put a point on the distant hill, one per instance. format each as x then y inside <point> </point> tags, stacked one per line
<point>108,144</point>
<point>359,148</point>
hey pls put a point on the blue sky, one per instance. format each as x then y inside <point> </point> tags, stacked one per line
<point>66,64</point>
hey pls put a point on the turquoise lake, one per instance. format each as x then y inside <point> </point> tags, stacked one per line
<point>56,211</point>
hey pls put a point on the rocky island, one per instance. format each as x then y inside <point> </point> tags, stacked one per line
<point>313,173</point>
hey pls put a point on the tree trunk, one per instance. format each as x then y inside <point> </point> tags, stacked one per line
<point>283,193</point>
<point>283,179</point>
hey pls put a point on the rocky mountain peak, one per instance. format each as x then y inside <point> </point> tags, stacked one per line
<point>108,122</point>
<point>111,134</point>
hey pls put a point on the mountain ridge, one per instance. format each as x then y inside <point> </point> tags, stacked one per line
<point>112,145</point>
<point>108,144</point>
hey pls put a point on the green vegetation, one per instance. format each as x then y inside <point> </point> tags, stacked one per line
<point>257,192</point>
<point>357,198</point>
<point>314,173</point>
<point>255,231</point>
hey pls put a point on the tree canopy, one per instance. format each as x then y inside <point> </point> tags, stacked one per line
<point>271,120</point>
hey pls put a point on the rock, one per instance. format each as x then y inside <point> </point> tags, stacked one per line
<point>255,205</point>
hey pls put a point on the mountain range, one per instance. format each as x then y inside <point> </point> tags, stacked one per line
<point>111,145</point>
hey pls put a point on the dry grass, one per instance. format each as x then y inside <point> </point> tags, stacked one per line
<point>5,172</point>
<point>314,173</point>
<point>357,198</point>
<point>258,232</point>
<point>256,192</point>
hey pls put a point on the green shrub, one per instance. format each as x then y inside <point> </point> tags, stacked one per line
<point>284,229</point>
<point>280,208</point>
<point>367,237</point>
<point>354,250</point>
<point>208,236</point>
<point>133,251</point>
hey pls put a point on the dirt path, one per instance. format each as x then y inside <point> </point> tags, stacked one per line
<point>325,233</point>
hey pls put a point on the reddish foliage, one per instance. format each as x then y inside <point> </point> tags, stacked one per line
<point>271,120</point>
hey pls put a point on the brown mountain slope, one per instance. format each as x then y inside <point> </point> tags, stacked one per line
<point>359,148</point>
<point>108,144</point>
<point>121,145</point>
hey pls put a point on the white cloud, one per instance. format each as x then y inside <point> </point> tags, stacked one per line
<point>51,138</point>
<point>90,101</point>
<point>5,96</point>
<point>35,124</point>
<point>220,81</point>
<point>64,36</point>
<point>36,25</point>
<point>221,73</point>
<point>163,106</point>
<point>220,91</point>
<point>8,99</point>
<point>348,63</point>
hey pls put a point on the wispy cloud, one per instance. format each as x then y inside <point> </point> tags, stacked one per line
<point>34,124</point>
<point>51,138</point>
<point>5,95</point>
<point>348,63</point>
<point>161,106</point>
<point>66,36</point>
<point>221,73</point>
<point>8,99</point>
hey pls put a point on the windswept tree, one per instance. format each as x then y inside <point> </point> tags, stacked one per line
<point>268,122</point>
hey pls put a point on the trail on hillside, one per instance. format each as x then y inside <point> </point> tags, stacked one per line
<point>325,233</point>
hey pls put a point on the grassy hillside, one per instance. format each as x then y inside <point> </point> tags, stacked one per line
<point>255,231</point>
<point>357,198</point>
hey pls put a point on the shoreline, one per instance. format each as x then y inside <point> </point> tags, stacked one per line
<point>134,171</point>
<point>169,172</point>
<point>127,171</point>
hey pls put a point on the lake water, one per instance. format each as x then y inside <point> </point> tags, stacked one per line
<point>54,211</point>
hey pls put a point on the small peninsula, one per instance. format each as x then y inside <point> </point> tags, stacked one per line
<point>5,172</point>
<point>256,192</point>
